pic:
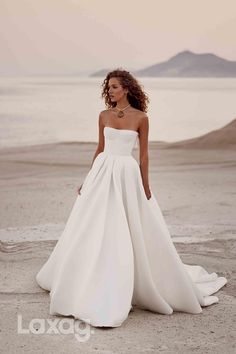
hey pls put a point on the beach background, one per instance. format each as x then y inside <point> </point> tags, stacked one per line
<point>49,111</point>
<point>39,110</point>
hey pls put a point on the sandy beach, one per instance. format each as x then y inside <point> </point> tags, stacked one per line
<point>194,184</point>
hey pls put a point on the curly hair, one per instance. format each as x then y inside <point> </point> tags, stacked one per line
<point>136,97</point>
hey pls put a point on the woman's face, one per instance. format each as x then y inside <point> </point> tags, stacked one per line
<point>115,90</point>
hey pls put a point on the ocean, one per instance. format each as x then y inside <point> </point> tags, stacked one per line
<point>39,110</point>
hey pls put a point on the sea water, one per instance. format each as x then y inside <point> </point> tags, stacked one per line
<point>38,110</point>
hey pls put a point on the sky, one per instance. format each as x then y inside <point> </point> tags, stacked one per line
<point>40,37</point>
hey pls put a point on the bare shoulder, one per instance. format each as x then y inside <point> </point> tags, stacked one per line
<point>102,116</point>
<point>138,113</point>
<point>138,116</point>
<point>102,113</point>
<point>105,111</point>
<point>143,120</point>
<point>143,116</point>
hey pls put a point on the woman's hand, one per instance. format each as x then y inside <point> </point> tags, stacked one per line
<point>149,196</point>
<point>147,192</point>
<point>79,189</point>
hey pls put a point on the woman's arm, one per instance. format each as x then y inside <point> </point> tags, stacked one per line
<point>143,154</point>
<point>100,146</point>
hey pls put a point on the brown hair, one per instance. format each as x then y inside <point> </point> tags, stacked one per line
<point>136,96</point>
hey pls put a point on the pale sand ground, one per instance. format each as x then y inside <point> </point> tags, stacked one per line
<point>196,192</point>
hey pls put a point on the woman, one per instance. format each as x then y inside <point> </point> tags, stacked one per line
<point>133,101</point>
<point>116,250</point>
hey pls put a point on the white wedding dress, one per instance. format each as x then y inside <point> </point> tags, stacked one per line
<point>116,250</point>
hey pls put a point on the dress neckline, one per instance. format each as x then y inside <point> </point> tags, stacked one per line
<point>129,130</point>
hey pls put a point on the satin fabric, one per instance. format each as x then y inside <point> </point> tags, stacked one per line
<point>116,250</point>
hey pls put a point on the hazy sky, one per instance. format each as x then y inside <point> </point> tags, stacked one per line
<point>69,36</point>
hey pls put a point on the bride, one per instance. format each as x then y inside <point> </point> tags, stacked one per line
<point>116,250</point>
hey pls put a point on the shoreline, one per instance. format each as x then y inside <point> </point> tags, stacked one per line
<point>218,139</point>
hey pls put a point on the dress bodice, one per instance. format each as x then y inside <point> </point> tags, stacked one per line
<point>119,141</point>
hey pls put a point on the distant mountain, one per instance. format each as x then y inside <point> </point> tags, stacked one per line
<point>187,64</point>
<point>223,138</point>
<point>101,72</point>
